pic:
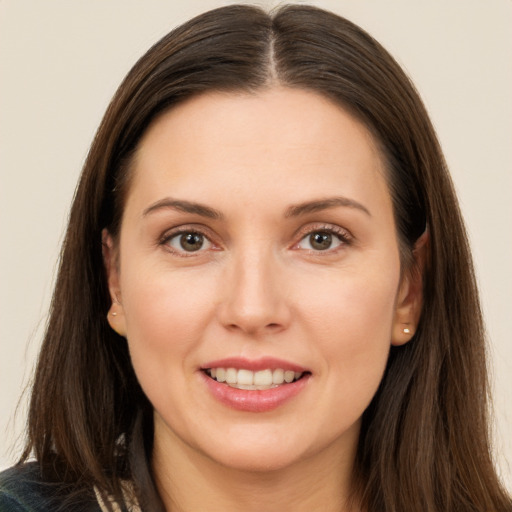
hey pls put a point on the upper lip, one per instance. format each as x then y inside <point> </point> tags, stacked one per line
<point>255,365</point>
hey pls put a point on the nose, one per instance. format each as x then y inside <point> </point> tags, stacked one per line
<point>255,298</point>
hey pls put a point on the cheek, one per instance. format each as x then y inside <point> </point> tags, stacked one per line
<point>351,305</point>
<point>166,315</point>
<point>352,330</point>
<point>159,300</point>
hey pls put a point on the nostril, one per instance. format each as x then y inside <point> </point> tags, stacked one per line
<point>271,327</point>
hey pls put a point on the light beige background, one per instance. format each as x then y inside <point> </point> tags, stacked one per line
<point>61,60</point>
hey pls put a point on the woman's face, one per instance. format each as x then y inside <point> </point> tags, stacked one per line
<point>258,246</point>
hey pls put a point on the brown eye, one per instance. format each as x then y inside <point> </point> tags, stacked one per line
<point>320,240</point>
<point>326,240</point>
<point>191,241</point>
<point>188,242</point>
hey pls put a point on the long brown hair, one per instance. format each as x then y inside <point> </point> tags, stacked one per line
<point>424,441</point>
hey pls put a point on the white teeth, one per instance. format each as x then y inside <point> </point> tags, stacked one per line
<point>263,378</point>
<point>231,376</point>
<point>278,376</point>
<point>289,375</point>
<point>247,379</point>
<point>243,386</point>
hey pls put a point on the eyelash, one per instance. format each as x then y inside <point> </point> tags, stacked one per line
<point>184,230</point>
<point>343,236</point>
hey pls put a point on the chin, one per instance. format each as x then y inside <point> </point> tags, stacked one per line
<point>263,451</point>
<point>258,461</point>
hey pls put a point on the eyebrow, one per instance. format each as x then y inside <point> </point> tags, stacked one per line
<point>184,206</point>
<point>292,211</point>
<point>324,204</point>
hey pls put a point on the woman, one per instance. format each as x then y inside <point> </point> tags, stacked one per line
<point>257,306</point>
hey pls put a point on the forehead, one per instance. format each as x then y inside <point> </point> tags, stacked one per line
<point>279,138</point>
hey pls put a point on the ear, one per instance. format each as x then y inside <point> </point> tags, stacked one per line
<point>115,316</point>
<point>409,301</point>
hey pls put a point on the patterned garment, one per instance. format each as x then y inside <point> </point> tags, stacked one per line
<point>22,490</point>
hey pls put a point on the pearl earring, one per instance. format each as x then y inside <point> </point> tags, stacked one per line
<point>407,330</point>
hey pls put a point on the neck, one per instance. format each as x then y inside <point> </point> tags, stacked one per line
<point>187,480</point>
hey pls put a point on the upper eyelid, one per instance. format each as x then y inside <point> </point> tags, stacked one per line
<point>332,228</point>
<point>187,228</point>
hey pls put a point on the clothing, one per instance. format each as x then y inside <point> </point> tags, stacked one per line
<point>23,490</point>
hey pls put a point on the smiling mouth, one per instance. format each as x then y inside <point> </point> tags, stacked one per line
<point>257,381</point>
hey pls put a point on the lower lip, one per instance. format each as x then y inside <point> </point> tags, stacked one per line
<point>254,400</point>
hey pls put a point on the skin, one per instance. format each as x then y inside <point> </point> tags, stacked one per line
<point>258,287</point>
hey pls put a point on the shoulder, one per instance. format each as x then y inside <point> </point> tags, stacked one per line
<point>19,489</point>
<point>22,489</point>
